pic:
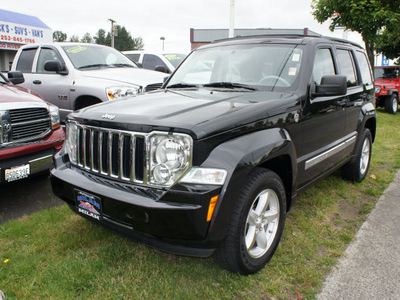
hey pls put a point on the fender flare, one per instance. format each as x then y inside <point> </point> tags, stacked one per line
<point>239,157</point>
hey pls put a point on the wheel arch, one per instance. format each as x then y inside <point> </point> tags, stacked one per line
<point>84,101</point>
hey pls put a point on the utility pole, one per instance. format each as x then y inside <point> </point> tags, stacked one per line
<point>162,39</point>
<point>232,19</point>
<point>112,32</point>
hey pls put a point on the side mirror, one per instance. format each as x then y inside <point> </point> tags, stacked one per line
<point>55,66</point>
<point>331,85</point>
<point>16,77</point>
<point>161,68</point>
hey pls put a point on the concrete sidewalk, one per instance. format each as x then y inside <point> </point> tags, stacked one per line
<point>370,268</point>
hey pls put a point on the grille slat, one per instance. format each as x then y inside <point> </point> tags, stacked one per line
<point>29,123</point>
<point>115,154</point>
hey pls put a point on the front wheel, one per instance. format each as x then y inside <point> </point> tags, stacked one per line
<point>256,226</point>
<point>358,169</point>
<point>392,104</point>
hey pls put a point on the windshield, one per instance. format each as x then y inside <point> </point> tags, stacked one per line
<point>90,56</point>
<point>262,67</point>
<point>386,73</point>
<point>175,58</point>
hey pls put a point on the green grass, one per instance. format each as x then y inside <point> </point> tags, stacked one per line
<point>55,254</point>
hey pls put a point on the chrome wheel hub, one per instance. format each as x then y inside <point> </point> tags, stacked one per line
<point>262,223</point>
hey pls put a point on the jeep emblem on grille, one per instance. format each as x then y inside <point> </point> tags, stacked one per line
<point>109,117</point>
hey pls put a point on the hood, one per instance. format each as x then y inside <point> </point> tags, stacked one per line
<point>135,76</point>
<point>12,96</point>
<point>388,82</point>
<point>201,112</point>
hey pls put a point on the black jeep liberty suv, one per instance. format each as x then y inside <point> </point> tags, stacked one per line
<point>210,163</point>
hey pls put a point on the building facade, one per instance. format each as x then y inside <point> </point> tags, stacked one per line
<point>200,37</point>
<point>16,30</point>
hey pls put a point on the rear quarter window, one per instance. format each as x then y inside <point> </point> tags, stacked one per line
<point>366,74</point>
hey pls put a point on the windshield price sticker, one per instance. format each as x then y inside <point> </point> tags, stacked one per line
<point>17,173</point>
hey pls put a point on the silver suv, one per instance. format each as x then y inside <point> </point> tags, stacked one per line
<point>76,75</point>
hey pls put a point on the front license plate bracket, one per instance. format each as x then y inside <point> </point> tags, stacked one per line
<point>88,204</point>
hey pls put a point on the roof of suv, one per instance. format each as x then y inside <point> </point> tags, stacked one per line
<point>273,38</point>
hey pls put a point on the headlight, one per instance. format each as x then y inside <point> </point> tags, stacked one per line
<point>71,141</point>
<point>377,89</point>
<point>170,158</point>
<point>119,93</point>
<point>205,176</point>
<point>55,117</point>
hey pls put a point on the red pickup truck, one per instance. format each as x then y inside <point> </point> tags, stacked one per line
<point>387,87</point>
<point>30,131</point>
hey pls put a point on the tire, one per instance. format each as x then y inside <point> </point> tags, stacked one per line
<point>357,170</point>
<point>256,226</point>
<point>392,104</point>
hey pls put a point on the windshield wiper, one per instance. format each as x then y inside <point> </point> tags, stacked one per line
<point>92,66</point>
<point>229,85</point>
<point>181,86</point>
<point>122,65</point>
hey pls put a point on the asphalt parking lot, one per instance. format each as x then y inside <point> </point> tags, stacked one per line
<point>26,197</point>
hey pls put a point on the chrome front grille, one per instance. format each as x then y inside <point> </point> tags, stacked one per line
<point>112,153</point>
<point>25,124</point>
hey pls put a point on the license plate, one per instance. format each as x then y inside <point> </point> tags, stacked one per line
<point>88,204</point>
<point>17,173</point>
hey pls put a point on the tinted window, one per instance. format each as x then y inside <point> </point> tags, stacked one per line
<point>133,57</point>
<point>386,73</point>
<point>364,68</point>
<point>151,61</point>
<point>44,56</point>
<point>347,67</point>
<point>26,60</point>
<point>323,65</point>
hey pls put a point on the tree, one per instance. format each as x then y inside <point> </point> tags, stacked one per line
<point>87,38</point>
<point>59,36</point>
<point>100,38</point>
<point>367,17</point>
<point>74,39</point>
<point>124,41</point>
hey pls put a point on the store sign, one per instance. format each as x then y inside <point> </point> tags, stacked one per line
<point>23,34</point>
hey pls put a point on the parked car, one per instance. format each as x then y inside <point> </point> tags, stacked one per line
<point>164,62</point>
<point>30,132</point>
<point>76,75</point>
<point>387,87</point>
<point>210,164</point>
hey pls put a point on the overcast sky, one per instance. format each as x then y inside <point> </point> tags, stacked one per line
<point>171,19</point>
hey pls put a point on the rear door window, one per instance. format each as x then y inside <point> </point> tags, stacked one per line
<point>25,60</point>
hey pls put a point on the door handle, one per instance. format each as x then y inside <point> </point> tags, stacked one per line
<point>37,82</point>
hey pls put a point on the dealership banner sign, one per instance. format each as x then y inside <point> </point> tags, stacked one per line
<point>23,34</point>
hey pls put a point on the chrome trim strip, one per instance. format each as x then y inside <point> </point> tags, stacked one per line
<point>117,223</point>
<point>323,156</point>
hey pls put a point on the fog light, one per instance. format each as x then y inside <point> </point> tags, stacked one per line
<point>161,174</point>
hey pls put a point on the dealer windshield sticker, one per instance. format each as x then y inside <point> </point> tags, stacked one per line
<point>88,206</point>
<point>296,57</point>
<point>76,49</point>
<point>292,71</point>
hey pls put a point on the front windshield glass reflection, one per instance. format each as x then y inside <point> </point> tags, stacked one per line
<point>258,66</point>
<point>91,56</point>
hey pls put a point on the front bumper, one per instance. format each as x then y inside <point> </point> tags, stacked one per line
<point>171,220</point>
<point>38,162</point>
